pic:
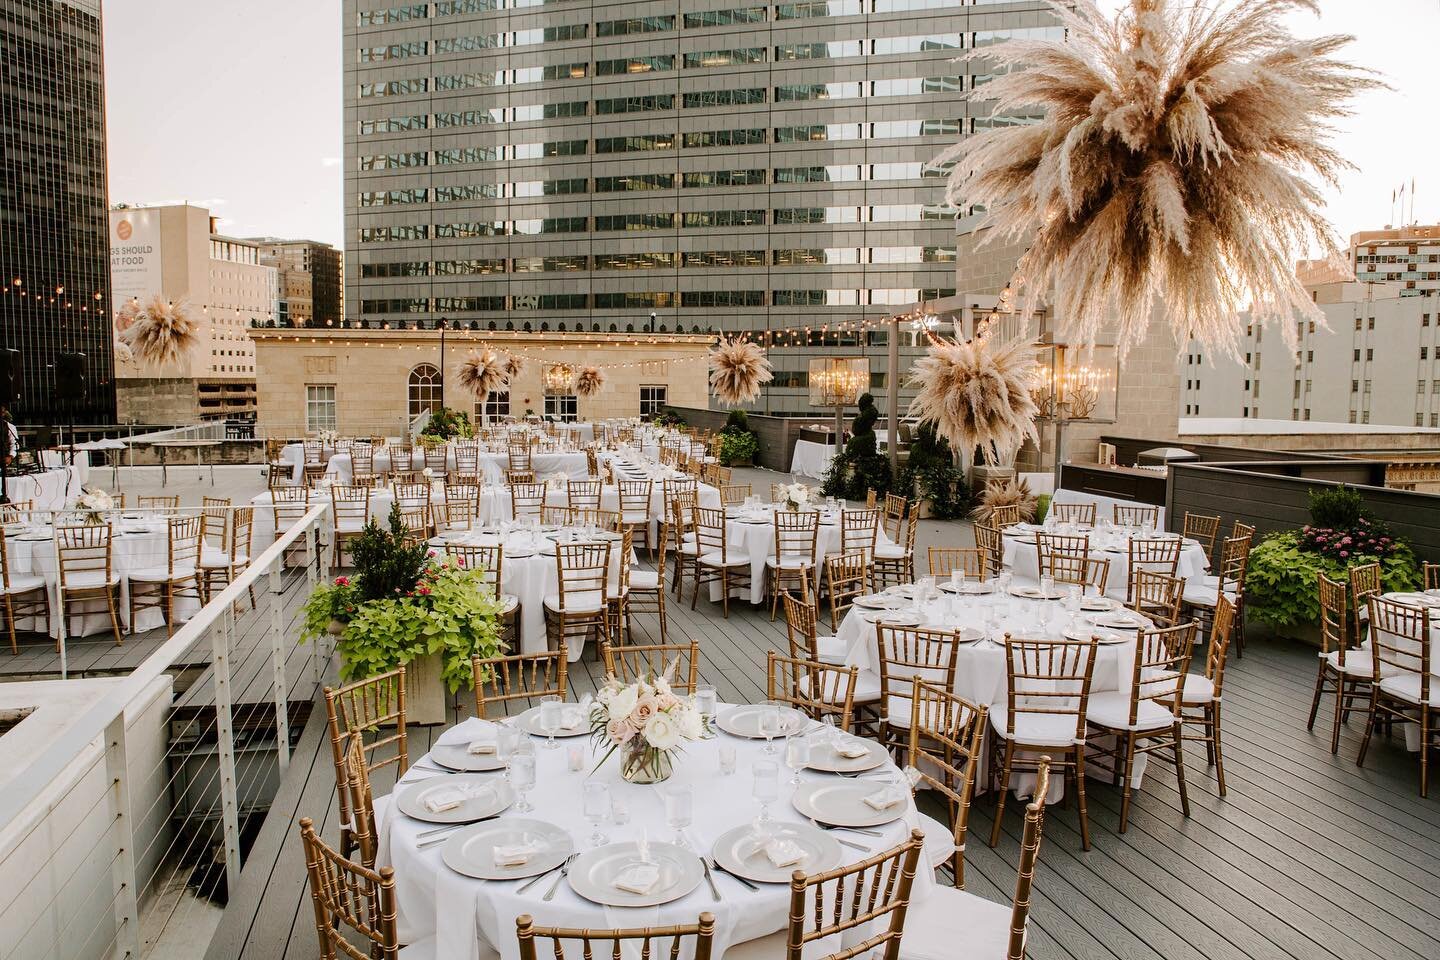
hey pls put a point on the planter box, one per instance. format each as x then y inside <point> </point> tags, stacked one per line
<point>985,473</point>
<point>425,697</point>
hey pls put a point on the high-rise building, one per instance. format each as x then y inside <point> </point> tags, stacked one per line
<point>53,229</point>
<point>308,279</point>
<point>586,165</point>
<point>176,253</point>
<point>1407,256</point>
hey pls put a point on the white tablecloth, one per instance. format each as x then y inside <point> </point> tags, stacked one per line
<point>811,459</point>
<point>59,459</point>
<point>47,490</point>
<point>1020,556</point>
<point>751,531</point>
<point>491,465</point>
<point>1104,506</point>
<point>462,913</point>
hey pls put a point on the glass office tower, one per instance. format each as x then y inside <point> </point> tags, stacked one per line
<point>760,167</point>
<point>54,224</point>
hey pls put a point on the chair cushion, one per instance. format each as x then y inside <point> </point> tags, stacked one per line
<point>25,583</point>
<point>1204,594</point>
<point>830,650</point>
<point>1199,689</point>
<point>939,841</point>
<point>867,688</point>
<point>1111,709</point>
<point>1358,663</point>
<point>1042,730</point>
<point>890,551</point>
<point>789,562</point>
<point>635,516</point>
<point>644,579</point>
<point>213,559</point>
<point>586,602</point>
<point>1406,686</point>
<point>732,558</point>
<point>508,602</point>
<point>349,526</point>
<point>162,574</point>
<point>89,579</point>
<point>947,918</point>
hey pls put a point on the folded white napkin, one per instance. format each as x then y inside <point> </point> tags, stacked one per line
<point>783,852</point>
<point>851,748</point>
<point>513,855</point>
<point>464,734</point>
<point>884,799</point>
<point>638,878</point>
<point>445,798</point>
<point>481,748</point>
<point>572,718</point>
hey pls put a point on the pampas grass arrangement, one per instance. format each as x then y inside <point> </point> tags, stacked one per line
<point>737,369</point>
<point>161,333</point>
<point>1171,169</point>
<point>978,394</point>
<point>482,373</point>
<point>589,381</point>
<point>513,366</point>
<point>1003,493</point>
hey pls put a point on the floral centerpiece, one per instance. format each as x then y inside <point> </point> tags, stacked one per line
<point>94,503</point>
<point>796,495</point>
<point>646,722</point>
<point>327,438</point>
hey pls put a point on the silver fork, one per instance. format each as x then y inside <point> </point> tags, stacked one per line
<point>539,876</point>
<point>843,842</point>
<point>564,872</point>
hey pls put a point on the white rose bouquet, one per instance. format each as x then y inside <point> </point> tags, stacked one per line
<point>328,437</point>
<point>94,502</point>
<point>796,495</point>
<point>646,722</point>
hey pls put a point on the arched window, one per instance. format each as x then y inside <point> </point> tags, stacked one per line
<point>424,390</point>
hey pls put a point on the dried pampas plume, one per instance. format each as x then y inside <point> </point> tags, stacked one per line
<point>513,366</point>
<point>1171,168</point>
<point>482,373</point>
<point>162,333</point>
<point>737,369</point>
<point>589,381</point>
<point>978,394</point>
<point>1005,493</point>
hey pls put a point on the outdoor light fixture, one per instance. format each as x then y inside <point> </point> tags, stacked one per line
<point>838,382</point>
<point>1076,384</point>
<point>557,378</point>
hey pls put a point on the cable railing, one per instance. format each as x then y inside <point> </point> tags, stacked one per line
<point>133,796</point>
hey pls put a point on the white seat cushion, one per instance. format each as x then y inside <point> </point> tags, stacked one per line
<point>937,927</point>
<point>635,516</point>
<point>587,602</point>
<point>1358,663</point>
<point>830,650</point>
<point>867,688</point>
<point>1039,729</point>
<point>939,841</point>
<point>161,574</point>
<point>644,579</point>
<point>89,579</point>
<point>1406,687</point>
<point>890,551</point>
<point>732,558</point>
<point>215,559</point>
<point>425,950</point>
<point>788,562</point>
<point>350,526</point>
<point>1111,709</point>
<point>24,583</point>
<point>508,602</point>
<point>1199,689</point>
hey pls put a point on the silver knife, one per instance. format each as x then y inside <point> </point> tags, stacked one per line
<point>537,878</point>
<point>843,842</point>
<point>710,879</point>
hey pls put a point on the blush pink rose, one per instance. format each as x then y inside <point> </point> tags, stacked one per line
<point>645,708</point>
<point>667,701</point>
<point>619,731</point>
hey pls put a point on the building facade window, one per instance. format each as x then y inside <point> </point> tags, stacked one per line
<point>562,406</point>
<point>320,409</point>
<point>496,406</point>
<point>652,398</point>
<point>423,390</point>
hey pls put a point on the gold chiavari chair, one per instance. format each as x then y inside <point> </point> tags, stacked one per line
<point>1364,584</point>
<point>895,562</point>
<point>989,540</point>
<point>526,500</point>
<point>467,463</point>
<point>816,689</point>
<point>904,653</point>
<point>859,530</point>
<point>1047,691</point>
<point>618,603</point>
<point>802,616</point>
<point>219,568</point>
<point>949,916</point>
<point>847,576</point>
<point>693,941</point>
<point>21,595</point>
<point>580,606</point>
<point>631,662</point>
<point>357,718</point>
<point>490,560</point>
<point>312,450</point>
<point>288,506</point>
<point>215,522</point>
<point>1156,555</point>
<point>16,511</point>
<point>1346,668</point>
<point>518,455</point>
<point>1402,688</point>
<point>415,521</point>
<point>945,739</point>
<point>796,537</point>
<point>1064,553</point>
<point>521,679</point>
<point>1200,597</point>
<point>1146,717</point>
<point>592,462</point>
<point>313,473</point>
<point>1082,514</point>
<point>717,560</point>
<point>1238,529</point>
<point>437,459</point>
<point>970,561</point>
<point>864,902</point>
<point>647,589</point>
<point>583,494</point>
<point>1005,515</point>
<point>557,516</point>
<point>634,501</point>
<point>777,492</point>
<point>1201,692</point>
<point>158,503</point>
<point>735,493</point>
<point>1131,515</point>
<point>681,487</point>
<point>467,491</point>
<point>717,476</point>
<point>452,516</point>
<point>1432,575</point>
<point>362,465</point>
<point>1157,596</point>
<point>893,516</point>
<point>1203,530</point>
<point>179,578</point>
<point>349,513</point>
<point>680,533</point>
<point>350,900</point>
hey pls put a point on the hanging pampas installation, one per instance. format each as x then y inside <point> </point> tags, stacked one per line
<point>1171,168</point>
<point>162,333</point>
<point>978,394</point>
<point>513,366</point>
<point>482,373</point>
<point>737,369</point>
<point>589,381</point>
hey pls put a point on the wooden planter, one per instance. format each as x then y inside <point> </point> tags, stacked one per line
<point>424,691</point>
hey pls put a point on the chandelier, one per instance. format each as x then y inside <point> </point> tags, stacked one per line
<point>558,377</point>
<point>838,382</point>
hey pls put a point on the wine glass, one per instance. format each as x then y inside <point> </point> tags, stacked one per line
<point>765,787</point>
<point>550,710</point>
<point>597,808</point>
<point>507,743</point>
<point>797,757</point>
<point>770,726</point>
<point>522,778</point>
<point>679,811</point>
<point>705,705</point>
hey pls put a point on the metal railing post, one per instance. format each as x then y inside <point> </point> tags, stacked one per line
<point>225,744</point>
<point>122,838</point>
<point>277,663</point>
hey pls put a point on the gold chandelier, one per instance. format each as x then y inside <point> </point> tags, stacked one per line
<point>558,377</point>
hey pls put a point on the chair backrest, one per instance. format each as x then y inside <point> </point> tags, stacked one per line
<point>1161,659</point>
<point>1029,855</point>
<point>241,525</point>
<point>1238,529</point>
<point>858,531</point>
<point>870,895</point>
<point>490,559</point>
<point>630,662</point>
<point>970,561</point>
<point>1203,530</point>
<point>1081,513</point>
<point>683,487</point>
<point>467,458</point>
<point>1364,584</point>
<point>801,614</point>
<point>1133,515</point>
<point>634,498</point>
<point>796,534</point>
<point>1161,555</point>
<point>1063,553</point>
<point>989,539</point>
<point>413,495</point>
<point>1432,575</point>
<point>646,943</point>
<point>847,576</point>
<point>946,735</point>
<point>1222,630</point>
<point>1400,641</point>
<point>816,689</point>
<point>468,492</point>
<point>158,503</point>
<point>216,526</point>
<point>522,677</point>
<point>1005,515</point>
<point>519,457</point>
<point>183,544</point>
<point>583,494</point>
<point>907,652</point>
<point>1234,556</point>
<point>366,706</point>
<point>1334,620</point>
<point>582,571</point>
<point>526,499</point>
<point>732,493</point>
<point>1156,595</point>
<point>312,450</point>
<point>83,549</point>
<point>349,899</point>
<point>1048,678</point>
<point>437,458</point>
<point>15,510</point>
<point>709,527</point>
<point>895,505</point>
<point>350,506</point>
<point>288,506</point>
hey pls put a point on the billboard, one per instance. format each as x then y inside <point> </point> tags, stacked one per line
<point>134,255</point>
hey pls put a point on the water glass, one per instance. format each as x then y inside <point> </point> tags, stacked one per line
<point>522,778</point>
<point>507,743</point>
<point>597,807</point>
<point>727,760</point>
<point>797,757</point>
<point>957,579</point>
<point>1047,585</point>
<point>765,786</point>
<point>679,810</point>
<point>770,725</point>
<point>705,705</point>
<point>619,811</point>
<point>551,709</point>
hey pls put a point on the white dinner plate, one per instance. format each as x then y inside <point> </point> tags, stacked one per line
<point>1094,604</point>
<point>1414,599</point>
<point>841,803</point>
<point>1103,637</point>
<point>744,721</point>
<point>471,851</point>
<point>822,852</point>
<point>1119,620</point>
<point>457,756</point>
<point>491,795</point>
<point>1035,593</point>
<point>592,874</point>
<point>529,721</point>
<point>969,588</point>
<point>879,601</point>
<point>823,757</point>
<point>893,618</point>
<point>34,537</point>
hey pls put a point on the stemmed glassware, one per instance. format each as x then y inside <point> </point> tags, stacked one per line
<point>522,778</point>
<point>765,788</point>
<point>596,798</point>
<point>705,704</point>
<point>679,811</point>
<point>551,708</point>
<point>797,757</point>
<point>770,726</point>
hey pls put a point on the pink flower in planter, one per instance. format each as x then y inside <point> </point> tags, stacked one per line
<point>423,591</point>
<point>1344,553</point>
<point>342,581</point>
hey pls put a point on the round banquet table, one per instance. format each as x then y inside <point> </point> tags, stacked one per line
<point>751,531</point>
<point>1105,544</point>
<point>463,913</point>
<point>492,465</point>
<point>136,544</point>
<point>1429,599</point>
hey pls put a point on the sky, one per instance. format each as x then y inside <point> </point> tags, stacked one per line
<point>236,105</point>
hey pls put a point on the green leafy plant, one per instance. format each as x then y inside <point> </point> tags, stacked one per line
<point>668,417</point>
<point>1282,586</point>
<point>738,447</point>
<point>446,424</point>
<point>326,605</point>
<point>930,473</point>
<point>1042,507</point>
<point>1339,508</point>
<point>385,564</point>
<point>859,467</point>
